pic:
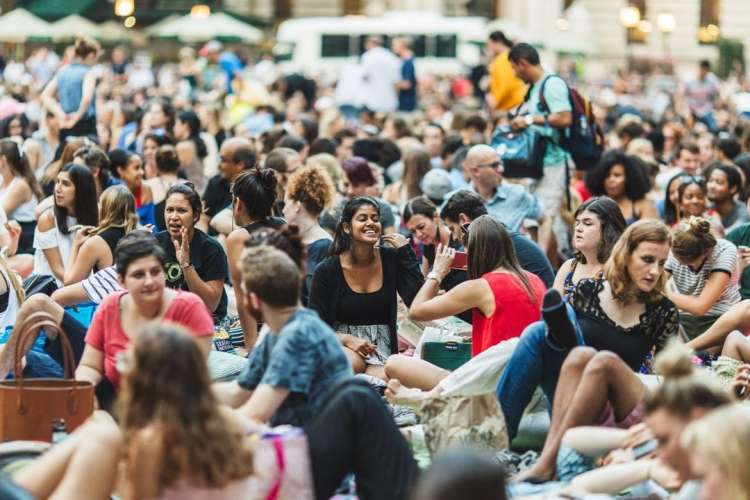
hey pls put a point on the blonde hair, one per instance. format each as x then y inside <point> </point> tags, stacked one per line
<point>329,163</point>
<point>12,278</point>
<point>684,387</point>
<point>722,438</point>
<point>117,209</point>
<point>616,267</point>
<point>692,238</point>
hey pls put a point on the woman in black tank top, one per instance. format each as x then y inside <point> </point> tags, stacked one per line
<point>253,198</point>
<point>93,248</point>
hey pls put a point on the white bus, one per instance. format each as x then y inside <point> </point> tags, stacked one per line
<point>321,46</point>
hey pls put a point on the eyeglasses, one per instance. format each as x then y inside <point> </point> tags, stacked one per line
<point>689,179</point>
<point>495,165</point>
<point>465,228</point>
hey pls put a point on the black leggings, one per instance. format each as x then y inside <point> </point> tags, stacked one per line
<point>354,432</point>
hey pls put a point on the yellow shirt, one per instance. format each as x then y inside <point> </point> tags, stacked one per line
<point>506,88</point>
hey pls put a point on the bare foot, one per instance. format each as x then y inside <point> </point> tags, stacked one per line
<point>399,395</point>
<point>538,472</point>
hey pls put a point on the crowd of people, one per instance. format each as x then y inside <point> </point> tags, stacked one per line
<point>252,244</point>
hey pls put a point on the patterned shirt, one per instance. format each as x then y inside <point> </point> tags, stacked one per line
<point>306,358</point>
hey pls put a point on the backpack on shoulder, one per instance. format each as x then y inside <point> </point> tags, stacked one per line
<point>584,140</point>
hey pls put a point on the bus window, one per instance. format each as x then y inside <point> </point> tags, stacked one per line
<point>363,38</point>
<point>418,45</point>
<point>334,46</point>
<point>445,45</point>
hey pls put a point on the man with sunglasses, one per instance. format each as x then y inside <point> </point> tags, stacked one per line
<point>464,206</point>
<point>509,203</point>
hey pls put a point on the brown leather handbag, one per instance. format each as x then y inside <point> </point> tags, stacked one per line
<point>28,407</point>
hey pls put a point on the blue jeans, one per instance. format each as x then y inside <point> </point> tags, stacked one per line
<point>535,362</point>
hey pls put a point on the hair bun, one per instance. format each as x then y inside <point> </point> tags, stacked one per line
<point>267,178</point>
<point>699,224</point>
<point>674,361</point>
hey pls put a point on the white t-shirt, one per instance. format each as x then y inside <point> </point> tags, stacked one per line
<point>381,70</point>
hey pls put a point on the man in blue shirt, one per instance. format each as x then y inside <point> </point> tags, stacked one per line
<point>509,203</point>
<point>407,87</point>
<point>293,371</point>
<point>550,120</point>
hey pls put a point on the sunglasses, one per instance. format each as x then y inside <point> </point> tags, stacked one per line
<point>688,179</point>
<point>465,228</point>
<point>495,165</point>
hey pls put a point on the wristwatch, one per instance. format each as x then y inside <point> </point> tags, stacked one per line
<point>186,266</point>
<point>432,275</point>
<point>529,120</point>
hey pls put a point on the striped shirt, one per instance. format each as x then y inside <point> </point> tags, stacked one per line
<point>723,258</point>
<point>100,284</point>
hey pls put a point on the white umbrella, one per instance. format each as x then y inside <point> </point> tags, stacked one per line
<point>199,29</point>
<point>19,25</point>
<point>112,31</point>
<point>154,28</point>
<point>71,26</point>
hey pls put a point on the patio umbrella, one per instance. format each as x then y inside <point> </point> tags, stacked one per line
<point>200,29</point>
<point>71,26</point>
<point>20,25</point>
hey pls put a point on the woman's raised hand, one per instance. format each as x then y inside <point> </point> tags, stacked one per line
<point>444,256</point>
<point>395,240</point>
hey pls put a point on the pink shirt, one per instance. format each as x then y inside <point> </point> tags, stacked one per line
<point>106,333</point>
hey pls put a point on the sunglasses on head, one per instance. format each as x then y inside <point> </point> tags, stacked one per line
<point>687,179</point>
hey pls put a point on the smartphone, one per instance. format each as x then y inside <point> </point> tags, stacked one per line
<point>645,448</point>
<point>460,261</point>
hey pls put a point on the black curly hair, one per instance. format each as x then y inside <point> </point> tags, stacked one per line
<point>637,183</point>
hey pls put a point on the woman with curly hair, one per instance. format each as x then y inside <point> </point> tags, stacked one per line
<point>626,313</point>
<point>624,178</point>
<point>308,191</point>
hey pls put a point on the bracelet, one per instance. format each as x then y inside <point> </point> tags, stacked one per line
<point>186,266</point>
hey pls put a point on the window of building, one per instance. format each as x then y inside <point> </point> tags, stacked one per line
<point>708,29</point>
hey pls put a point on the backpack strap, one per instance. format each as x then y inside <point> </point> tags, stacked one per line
<point>542,100</point>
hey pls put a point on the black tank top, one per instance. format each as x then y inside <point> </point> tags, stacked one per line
<point>111,236</point>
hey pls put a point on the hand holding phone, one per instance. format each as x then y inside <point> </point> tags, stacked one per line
<point>460,261</point>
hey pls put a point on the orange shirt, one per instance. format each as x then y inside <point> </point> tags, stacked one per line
<point>506,88</point>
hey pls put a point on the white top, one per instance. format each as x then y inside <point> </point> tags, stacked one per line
<point>381,70</point>
<point>25,211</point>
<point>52,239</point>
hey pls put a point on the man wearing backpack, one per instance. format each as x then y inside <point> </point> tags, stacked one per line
<point>551,116</point>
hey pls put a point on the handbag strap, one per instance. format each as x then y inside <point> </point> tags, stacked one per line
<point>278,446</point>
<point>30,331</point>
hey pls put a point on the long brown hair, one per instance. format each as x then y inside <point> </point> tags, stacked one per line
<point>616,268</point>
<point>167,385</point>
<point>416,165</point>
<point>489,246</point>
<point>19,165</point>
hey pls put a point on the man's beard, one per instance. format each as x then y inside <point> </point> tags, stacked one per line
<point>256,313</point>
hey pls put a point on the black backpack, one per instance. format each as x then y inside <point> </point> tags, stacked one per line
<point>584,140</point>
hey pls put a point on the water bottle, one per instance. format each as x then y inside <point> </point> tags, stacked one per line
<point>59,430</point>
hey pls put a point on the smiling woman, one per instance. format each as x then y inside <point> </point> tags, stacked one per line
<point>354,289</point>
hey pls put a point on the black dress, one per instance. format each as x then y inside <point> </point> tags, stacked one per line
<point>111,237</point>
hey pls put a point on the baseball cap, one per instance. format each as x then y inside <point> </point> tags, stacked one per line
<point>436,184</point>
